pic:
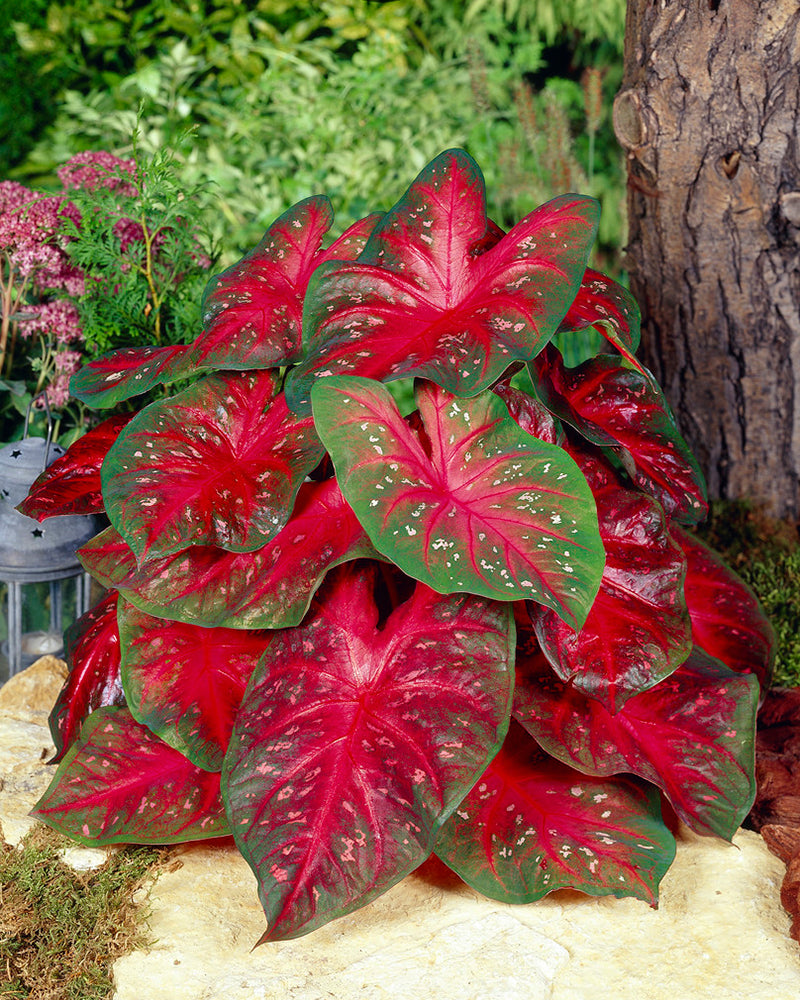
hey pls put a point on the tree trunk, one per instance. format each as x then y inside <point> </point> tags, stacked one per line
<point>709,115</point>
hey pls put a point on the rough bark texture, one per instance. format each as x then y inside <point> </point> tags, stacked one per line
<point>709,115</point>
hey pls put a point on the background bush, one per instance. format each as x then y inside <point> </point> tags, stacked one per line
<point>348,97</point>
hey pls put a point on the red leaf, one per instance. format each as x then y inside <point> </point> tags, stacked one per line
<point>268,588</point>
<point>491,510</point>
<point>129,372</point>
<point>614,406</point>
<point>253,311</point>
<point>638,630</point>
<point>728,622</point>
<point>532,824</point>
<point>92,651</point>
<point>121,784</point>
<point>218,464</point>
<point>186,683</point>
<point>354,744</point>
<point>421,301</point>
<point>531,415</point>
<point>71,485</point>
<point>611,309</point>
<point>692,735</point>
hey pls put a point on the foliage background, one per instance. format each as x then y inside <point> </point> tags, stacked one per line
<point>276,100</point>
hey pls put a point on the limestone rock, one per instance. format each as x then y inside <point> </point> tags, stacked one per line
<point>719,934</point>
<point>28,696</point>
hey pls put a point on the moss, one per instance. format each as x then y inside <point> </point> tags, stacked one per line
<point>766,554</point>
<point>60,929</point>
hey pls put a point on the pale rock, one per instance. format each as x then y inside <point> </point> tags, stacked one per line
<point>24,775</point>
<point>29,695</point>
<point>719,932</point>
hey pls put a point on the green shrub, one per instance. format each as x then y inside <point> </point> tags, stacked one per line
<point>286,99</point>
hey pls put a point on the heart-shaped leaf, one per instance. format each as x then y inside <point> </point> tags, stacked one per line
<point>532,824</point>
<point>488,509</point>
<point>611,309</point>
<point>615,406</point>
<point>185,683</point>
<point>92,652</point>
<point>121,784</point>
<point>253,312</point>
<point>129,372</point>
<point>421,301</point>
<point>638,628</point>
<point>728,622</point>
<point>268,588</point>
<point>354,744</point>
<point>692,735</point>
<point>219,463</point>
<point>71,484</point>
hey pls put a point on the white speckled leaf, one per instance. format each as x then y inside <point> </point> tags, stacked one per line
<point>638,630</point>
<point>532,824</point>
<point>487,509</point>
<point>421,300</point>
<point>253,311</point>
<point>353,744</point>
<point>692,735</point>
<point>217,464</point>
<point>184,682</point>
<point>120,784</point>
<point>268,588</point>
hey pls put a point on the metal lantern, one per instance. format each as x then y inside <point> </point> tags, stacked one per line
<point>37,553</point>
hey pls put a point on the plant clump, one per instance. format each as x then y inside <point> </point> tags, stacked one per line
<point>352,636</point>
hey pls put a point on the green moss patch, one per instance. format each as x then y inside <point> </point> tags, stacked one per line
<point>61,930</point>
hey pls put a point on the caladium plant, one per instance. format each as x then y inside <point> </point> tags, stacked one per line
<point>352,637</point>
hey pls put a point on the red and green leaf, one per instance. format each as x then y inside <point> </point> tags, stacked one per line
<point>728,622</point>
<point>614,406</point>
<point>253,312</point>
<point>420,300</point>
<point>638,628</point>
<point>354,744</point>
<point>610,309</point>
<point>268,588</point>
<point>692,735</point>
<point>93,682</point>
<point>185,683</point>
<point>121,784</point>
<point>473,504</point>
<point>71,484</point>
<point>129,372</point>
<point>531,415</point>
<point>218,464</point>
<point>532,824</point>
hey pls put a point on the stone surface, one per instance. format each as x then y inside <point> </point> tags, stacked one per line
<point>29,695</point>
<point>719,933</point>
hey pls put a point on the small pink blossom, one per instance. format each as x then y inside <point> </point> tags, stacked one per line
<point>128,231</point>
<point>90,170</point>
<point>58,319</point>
<point>57,393</point>
<point>66,362</point>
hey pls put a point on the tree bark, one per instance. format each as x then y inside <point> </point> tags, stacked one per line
<point>709,116</point>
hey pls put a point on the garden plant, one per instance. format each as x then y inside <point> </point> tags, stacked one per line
<point>352,632</point>
<point>118,257</point>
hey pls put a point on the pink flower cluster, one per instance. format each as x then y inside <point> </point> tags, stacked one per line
<point>91,170</point>
<point>32,242</point>
<point>57,319</point>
